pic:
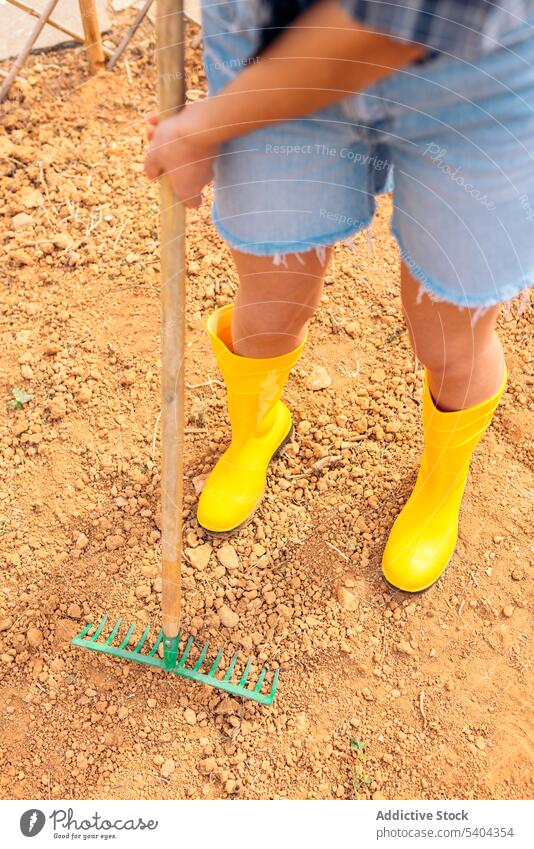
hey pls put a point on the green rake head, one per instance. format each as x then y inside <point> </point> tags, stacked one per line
<point>263,690</point>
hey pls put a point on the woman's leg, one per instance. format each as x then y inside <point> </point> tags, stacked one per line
<point>257,342</point>
<point>275,302</point>
<point>464,381</point>
<point>463,357</point>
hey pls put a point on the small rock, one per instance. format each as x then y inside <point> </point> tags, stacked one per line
<point>228,618</point>
<point>22,220</point>
<point>84,394</point>
<point>190,716</point>
<point>518,575</point>
<point>404,647</point>
<point>81,541</point>
<point>508,610</point>
<point>5,623</point>
<point>57,408</point>
<point>128,377</point>
<point>199,557</point>
<point>114,541</point>
<point>228,557</point>
<point>74,611</point>
<point>231,787</point>
<point>81,761</point>
<point>480,743</point>
<point>346,599</point>
<point>62,241</point>
<point>122,713</point>
<point>319,379</point>
<point>26,371</point>
<point>31,198</point>
<point>34,637</point>
<point>378,795</point>
<point>151,703</point>
<point>198,482</point>
<point>168,768</point>
<point>207,766</point>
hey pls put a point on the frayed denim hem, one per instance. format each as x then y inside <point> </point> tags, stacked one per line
<point>278,250</point>
<point>439,292</point>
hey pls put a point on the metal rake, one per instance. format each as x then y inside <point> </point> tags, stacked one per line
<point>171,85</point>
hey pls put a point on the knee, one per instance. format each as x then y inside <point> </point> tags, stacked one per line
<point>451,354</point>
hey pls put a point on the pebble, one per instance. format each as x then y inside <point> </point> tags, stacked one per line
<point>346,599</point>
<point>122,712</point>
<point>128,377</point>
<point>26,371</point>
<point>480,743</point>
<point>318,379</point>
<point>81,541</point>
<point>228,618</point>
<point>34,637</point>
<point>404,647</point>
<point>518,575</point>
<point>199,557</point>
<point>31,198</point>
<point>190,716</point>
<point>228,557</point>
<point>5,623</point>
<point>114,541</point>
<point>81,761</point>
<point>74,611</point>
<point>57,409</point>
<point>22,220</point>
<point>508,610</point>
<point>168,767</point>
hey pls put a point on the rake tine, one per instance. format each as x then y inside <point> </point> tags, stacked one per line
<point>114,632</point>
<point>85,630</point>
<point>201,657</point>
<point>231,667</point>
<point>129,633</point>
<point>245,673</point>
<point>95,636</point>
<point>261,679</point>
<point>186,651</point>
<point>141,642</point>
<point>156,645</point>
<point>275,681</point>
<point>216,662</point>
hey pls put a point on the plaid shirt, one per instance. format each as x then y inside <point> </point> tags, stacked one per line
<point>459,28</point>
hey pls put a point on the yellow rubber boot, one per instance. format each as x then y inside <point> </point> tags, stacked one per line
<point>261,425</point>
<point>423,538</point>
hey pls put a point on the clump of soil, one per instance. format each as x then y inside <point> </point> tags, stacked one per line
<point>381,694</point>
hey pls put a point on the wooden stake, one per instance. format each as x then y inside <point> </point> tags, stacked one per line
<point>171,93</point>
<point>93,41</point>
<point>129,35</point>
<point>26,50</point>
<point>55,24</point>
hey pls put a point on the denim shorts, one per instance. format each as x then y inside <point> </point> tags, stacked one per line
<point>453,140</point>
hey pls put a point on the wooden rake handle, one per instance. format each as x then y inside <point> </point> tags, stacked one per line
<point>171,94</point>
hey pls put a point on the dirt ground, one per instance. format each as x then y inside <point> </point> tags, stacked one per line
<point>381,695</point>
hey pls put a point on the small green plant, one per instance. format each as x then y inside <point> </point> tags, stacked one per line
<point>20,398</point>
<point>360,778</point>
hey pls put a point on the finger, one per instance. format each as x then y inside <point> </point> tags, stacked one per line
<point>152,168</point>
<point>153,119</point>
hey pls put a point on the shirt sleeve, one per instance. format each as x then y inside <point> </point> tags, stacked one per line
<point>459,28</point>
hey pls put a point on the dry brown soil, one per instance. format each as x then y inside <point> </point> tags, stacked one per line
<point>381,694</point>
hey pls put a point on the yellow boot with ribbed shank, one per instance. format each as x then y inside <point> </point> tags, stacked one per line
<point>261,425</point>
<point>424,535</point>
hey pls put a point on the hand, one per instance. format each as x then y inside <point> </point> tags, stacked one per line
<point>176,150</point>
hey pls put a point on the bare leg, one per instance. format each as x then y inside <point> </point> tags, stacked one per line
<point>464,358</point>
<point>274,302</point>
